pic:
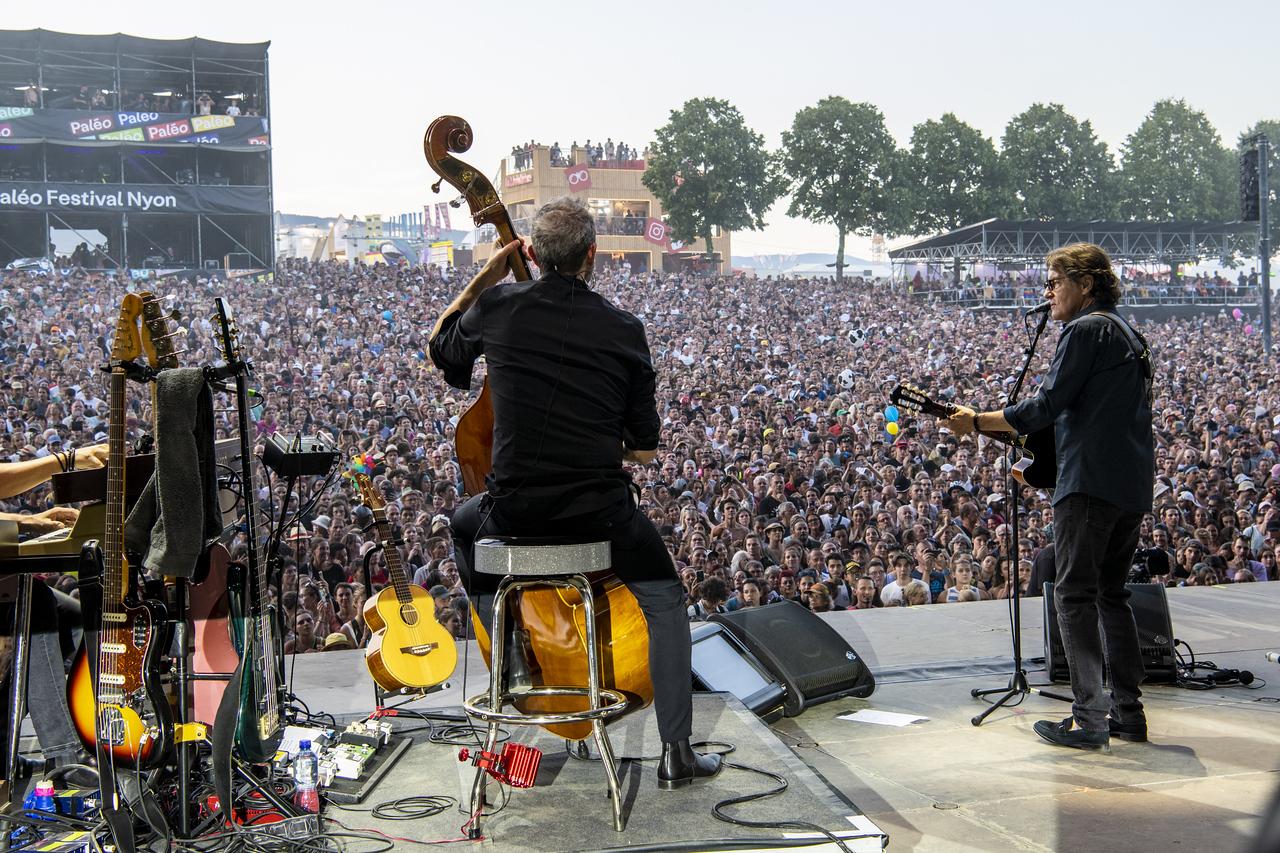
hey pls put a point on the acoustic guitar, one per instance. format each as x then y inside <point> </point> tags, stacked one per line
<point>1037,464</point>
<point>409,650</point>
<point>114,691</point>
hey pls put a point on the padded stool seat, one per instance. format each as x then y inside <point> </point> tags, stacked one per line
<point>531,556</point>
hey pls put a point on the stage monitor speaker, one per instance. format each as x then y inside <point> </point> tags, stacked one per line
<point>722,664</point>
<point>1155,634</point>
<point>801,651</point>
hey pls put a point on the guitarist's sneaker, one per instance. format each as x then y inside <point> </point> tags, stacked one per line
<point>680,766</point>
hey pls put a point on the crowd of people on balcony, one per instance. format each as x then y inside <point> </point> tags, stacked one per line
<point>604,155</point>
<point>176,101</point>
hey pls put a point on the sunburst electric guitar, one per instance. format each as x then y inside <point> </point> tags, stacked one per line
<point>115,694</point>
<point>409,649</point>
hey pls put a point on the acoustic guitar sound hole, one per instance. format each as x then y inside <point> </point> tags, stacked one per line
<point>408,614</point>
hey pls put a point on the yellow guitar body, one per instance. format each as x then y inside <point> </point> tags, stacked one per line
<point>409,648</point>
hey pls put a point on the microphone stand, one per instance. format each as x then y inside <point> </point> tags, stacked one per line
<point>1017,686</point>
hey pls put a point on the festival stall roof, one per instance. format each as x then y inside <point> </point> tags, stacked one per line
<point>1004,240</point>
<point>49,40</point>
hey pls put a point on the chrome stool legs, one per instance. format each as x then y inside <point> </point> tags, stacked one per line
<point>602,703</point>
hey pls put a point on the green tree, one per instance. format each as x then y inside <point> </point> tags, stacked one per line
<point>1176,168</point>
<point>953,176</point>
<point>1056,166</point>
<point>710,170</point>
<point>839,161</point>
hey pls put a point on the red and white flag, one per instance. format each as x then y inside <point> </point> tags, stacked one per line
<point>655,231</point>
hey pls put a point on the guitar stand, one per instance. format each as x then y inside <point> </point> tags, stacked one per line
<point>1017,686</point>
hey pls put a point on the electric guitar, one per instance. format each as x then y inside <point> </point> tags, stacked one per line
<point>1037,464</point>
<point>260,717</point>
<point>409,649</point>
<point>117,703</point>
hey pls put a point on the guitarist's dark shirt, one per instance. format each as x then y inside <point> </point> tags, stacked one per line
<point>571,379</point>
<point>1095,396</point>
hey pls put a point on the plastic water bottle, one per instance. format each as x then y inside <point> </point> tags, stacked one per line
<point>306,771</point>
<point>41,798</point>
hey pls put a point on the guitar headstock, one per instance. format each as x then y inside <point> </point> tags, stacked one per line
<point>449,135</point>
<point>913,399</point>
<point>369,495</point>
<point>126,345</point>
<point>228,332</point>
<point>157,338</point>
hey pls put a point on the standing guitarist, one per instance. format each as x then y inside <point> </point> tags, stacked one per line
<point>1097,395</point>
<point>573,387</point>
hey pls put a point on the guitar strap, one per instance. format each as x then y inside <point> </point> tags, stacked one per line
<point>222,742</point>
<point>1139,346</point>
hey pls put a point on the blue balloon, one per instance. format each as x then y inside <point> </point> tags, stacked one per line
<point>891,414</point>
<point>387,315</point>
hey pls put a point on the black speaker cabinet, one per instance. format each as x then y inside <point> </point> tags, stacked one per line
<point>801,651</point>
<point>1155,634</point>
<point>722,664</point>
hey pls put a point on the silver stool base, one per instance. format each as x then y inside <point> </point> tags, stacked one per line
<point>603,704</point>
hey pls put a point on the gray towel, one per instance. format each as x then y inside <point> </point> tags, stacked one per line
<point>178,514</point>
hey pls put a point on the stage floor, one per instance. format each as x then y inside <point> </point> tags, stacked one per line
<point>941,785</point>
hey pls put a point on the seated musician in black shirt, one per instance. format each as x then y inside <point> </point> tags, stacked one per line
<point>573,398</point>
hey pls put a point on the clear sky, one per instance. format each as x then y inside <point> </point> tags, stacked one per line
<point>354,85</point>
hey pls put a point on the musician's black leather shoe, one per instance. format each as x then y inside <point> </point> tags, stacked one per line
<point>78,776</point>
<point>680,766</point>
<point>1063,734</point>
<point>1134,731</point>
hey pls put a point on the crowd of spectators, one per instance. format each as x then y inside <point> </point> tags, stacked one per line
<point>1137,285</point>
<point>605,154</point>
<point>776,477</point>
<point>95,98</point>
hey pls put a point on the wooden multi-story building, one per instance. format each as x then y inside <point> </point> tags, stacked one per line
<point>629,224</point>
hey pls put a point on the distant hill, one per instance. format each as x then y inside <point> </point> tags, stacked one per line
<point>806,258</point>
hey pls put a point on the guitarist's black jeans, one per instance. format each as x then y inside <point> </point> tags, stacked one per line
<point>640,560</point>
<point>1094,542</point>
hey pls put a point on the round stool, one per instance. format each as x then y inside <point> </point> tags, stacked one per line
<point>526,562</point>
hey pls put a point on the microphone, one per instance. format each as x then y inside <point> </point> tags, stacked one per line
<point>1274,657</point>
<point>1042,308</point>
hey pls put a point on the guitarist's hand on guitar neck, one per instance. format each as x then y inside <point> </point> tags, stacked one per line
<point>965,420</point>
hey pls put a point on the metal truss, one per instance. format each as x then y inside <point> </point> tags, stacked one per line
<point>998,240</point>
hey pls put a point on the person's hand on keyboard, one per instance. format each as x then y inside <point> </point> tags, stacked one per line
<point>49,520</point>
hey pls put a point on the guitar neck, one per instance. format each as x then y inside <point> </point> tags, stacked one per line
<point>113,581</point>
<point>395,566</point>
<point>257,568</point>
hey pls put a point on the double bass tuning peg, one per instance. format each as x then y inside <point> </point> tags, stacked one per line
<point>435,188</point>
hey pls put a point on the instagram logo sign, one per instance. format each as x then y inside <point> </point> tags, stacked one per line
<point>579,178</point>
<point>655,231</point>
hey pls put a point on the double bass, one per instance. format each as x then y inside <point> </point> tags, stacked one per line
<point>552,619</point>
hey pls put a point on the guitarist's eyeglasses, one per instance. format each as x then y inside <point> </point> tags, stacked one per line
<point>1051,284</point>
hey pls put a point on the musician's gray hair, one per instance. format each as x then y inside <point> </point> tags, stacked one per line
<point>562,232</point>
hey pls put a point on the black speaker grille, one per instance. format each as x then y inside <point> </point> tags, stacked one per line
<point>801,651</point>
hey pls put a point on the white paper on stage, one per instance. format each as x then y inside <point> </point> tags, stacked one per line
<point>882,718</point>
